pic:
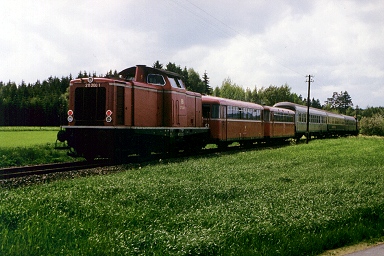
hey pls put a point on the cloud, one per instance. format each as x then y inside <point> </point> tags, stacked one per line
<point>252,42</point>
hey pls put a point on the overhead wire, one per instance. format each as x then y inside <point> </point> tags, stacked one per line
<point>202,18</point>
<point>217,24</point>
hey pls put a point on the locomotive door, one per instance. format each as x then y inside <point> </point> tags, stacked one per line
<point>176,114</point>
<point>224,122</point>
<point>179,111</point>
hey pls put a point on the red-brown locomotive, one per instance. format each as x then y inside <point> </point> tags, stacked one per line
<point>149,110</point>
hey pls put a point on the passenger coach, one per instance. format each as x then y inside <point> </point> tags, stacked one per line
<point>232,121</point>
<point>321,123</point>
<point>279,123</point>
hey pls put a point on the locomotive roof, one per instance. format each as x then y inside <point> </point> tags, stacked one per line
<point>130,72</point>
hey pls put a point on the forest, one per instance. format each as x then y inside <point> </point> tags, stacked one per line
<point>38,104</point>
<point>45,103</point>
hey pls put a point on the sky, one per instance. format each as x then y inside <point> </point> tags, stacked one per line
<point>255,43</point>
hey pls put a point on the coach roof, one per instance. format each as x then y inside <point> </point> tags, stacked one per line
<point>229,102</point>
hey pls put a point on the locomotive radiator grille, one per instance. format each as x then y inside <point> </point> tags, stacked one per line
<point>90,106</point>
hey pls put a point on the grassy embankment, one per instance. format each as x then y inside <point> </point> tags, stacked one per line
<point>295,200</point>
<point>29,145</point>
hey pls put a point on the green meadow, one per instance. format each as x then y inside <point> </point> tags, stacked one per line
<point>29,145</point>
<point>294,200</point>
<point>24,137</point>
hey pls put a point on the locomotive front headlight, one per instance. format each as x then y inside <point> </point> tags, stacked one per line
<point>70,116</point>
<point>109,116</point>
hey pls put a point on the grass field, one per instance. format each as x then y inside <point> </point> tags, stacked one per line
<point>13,139</point>
<point>294,200</point>
<point>29,145</point>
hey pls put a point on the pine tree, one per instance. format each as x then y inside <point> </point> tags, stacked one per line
<point>157,65</point>
<point>207,87</point>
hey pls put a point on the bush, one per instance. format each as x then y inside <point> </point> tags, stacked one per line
<point>372,125</point>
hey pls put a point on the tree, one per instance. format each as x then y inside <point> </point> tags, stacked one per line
<point>339,102</point>
<point>273,94</point>
<point>195,83</point>
<point>157,65</point>
<point>190,77</point>
<point>207,87</point>
<point>248,95</point>
<point>184,77</point>
<point>37,104</point>
<point>231,90</point>
<point>216,91</point>
<point>173,68</point>
<point>345,102</point>
<point>112,74</point>
<point>371,111</point>
<point>316,104</point>
<point>255,97</point>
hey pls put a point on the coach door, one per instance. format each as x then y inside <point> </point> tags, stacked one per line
<point>224,122</point>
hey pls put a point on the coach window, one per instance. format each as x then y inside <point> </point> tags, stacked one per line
<point>303,118</point>
<point>215,110</point>
<point>243,113</point>
<point>206,111</point>
<point>250,111</point>
<point>223,111</point>
<point>257,114</point>
<point>229,112</point>
<point>155,79</point>
<point>236,112</point>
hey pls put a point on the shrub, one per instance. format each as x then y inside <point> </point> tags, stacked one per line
<point>372,125</point>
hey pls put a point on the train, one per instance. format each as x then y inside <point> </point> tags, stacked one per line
<point>145,110</point>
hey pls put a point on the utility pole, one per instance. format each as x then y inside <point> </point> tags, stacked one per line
<point>308,104</point>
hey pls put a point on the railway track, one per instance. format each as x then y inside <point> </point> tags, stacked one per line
<point>14,172</point>
<point>23,171</point>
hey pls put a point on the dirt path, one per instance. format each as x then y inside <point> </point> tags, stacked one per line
<point>351,249</point>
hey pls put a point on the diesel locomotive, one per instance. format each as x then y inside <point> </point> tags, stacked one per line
<point>147,110</point>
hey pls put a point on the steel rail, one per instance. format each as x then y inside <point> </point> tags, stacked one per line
<point>14,172</point>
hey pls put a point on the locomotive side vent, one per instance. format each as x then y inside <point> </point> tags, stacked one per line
<point>90,105</point>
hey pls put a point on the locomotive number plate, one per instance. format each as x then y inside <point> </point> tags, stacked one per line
<point>92,85</point>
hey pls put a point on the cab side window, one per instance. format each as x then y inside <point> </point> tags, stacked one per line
<point>155,79</point>
<point>173,82</point>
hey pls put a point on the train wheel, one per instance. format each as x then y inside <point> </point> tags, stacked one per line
<point>144,152</point>
<point>222,145</point>
<point>193,148</point>
<point>247,144</point>
<point>89,156</point>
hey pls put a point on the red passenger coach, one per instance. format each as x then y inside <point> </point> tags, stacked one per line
<point>279,123</point>
<point>232,121</point>
<point>144,110</point>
